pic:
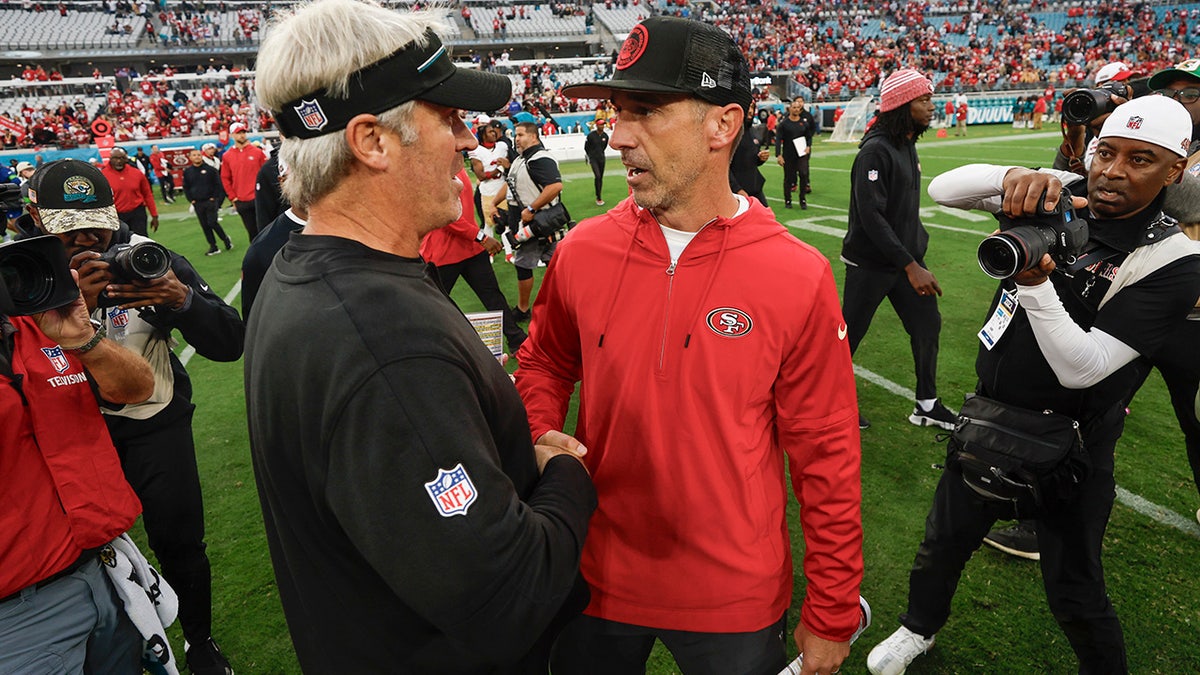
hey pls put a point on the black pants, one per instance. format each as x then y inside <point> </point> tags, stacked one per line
<point>592,646</point>
<point>206,213</point>
<point>597,164</point>
<point>249,217</point>
<point>136,220</point>
<point>795,173</point>
<point>166,185</point>
<point>479,275</point>
<point>865,289</point>
<point>158,456</point>
<point>1069,541</point>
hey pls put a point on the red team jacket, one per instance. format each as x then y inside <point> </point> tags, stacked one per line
<point>64,490</point>
<point>695,381</point>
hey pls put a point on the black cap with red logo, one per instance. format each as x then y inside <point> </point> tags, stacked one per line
<point>672,55</point>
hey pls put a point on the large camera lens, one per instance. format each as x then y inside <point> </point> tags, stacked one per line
<point>148,260</point>
<point>29,279</point>
<point>34,276</point>
<point>1084,105</point>
<point>142,261</point>
<point>1012,251</point>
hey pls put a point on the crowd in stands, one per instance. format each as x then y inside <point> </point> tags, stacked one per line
<point>156,105</point>
<point>833,51</point>
<point>844,49</point>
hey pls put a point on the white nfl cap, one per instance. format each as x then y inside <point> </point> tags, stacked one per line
<point>1153,119</point>
<point>1113,71</point>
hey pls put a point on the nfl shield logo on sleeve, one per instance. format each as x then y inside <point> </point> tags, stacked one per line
<point>57,359</point>
<point>872,175</point>
<point>311,115</point>
<point>452,492</point>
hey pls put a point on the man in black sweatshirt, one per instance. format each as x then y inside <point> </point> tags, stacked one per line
<point>202,187</point>
<point>793,147</point>
<point>884,248</point>
<point>593,147</point>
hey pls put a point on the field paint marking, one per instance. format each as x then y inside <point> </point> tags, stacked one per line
<point>190,351</point>
<point>935,143</point>
<point>810,224</point>
<point>1159,514</point>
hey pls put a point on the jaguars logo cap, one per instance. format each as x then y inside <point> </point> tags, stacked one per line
<point>72,195</point>
<point>667,54</point>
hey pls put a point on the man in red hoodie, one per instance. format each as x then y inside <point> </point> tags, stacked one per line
<point>696,378</point>
<point>239,175</point>
<point>131,192</point>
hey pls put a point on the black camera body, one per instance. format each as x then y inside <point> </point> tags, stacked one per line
<point>1082,106</point>
<point>35,276</point>
<point>128,263</point>
<point>537,228</point>
<point>1022,242</point>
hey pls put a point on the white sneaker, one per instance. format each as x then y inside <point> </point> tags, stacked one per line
<point>893,655</point>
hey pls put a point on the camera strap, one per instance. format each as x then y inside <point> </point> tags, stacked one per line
<point>1095,253</point>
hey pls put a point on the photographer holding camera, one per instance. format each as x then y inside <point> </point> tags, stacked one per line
<point>533,184</point>
<point>1067,348</point>
<point>1084,112</point>
<point>65,496</point>
<point>140,292</point>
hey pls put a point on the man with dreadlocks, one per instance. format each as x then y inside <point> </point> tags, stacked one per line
<point>884,248</point>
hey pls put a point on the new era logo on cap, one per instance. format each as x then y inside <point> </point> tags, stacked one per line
<point>707,82</point>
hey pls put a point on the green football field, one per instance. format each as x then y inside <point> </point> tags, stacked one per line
<point>1000,622</point>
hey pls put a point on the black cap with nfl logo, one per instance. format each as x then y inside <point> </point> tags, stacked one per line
<point>672,55</point>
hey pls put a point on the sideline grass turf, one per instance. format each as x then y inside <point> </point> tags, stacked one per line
<point>1000,622</point>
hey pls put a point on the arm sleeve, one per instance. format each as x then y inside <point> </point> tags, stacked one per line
<point>1078,358</point>
<point>189,185</point>
<point>214,328</point>
<point>227,178</point>
<point>980,186</point>
<point>817,416</point>
<point>551,359</point>
<point>870,198</point>
<point>491,578</point>
<point>544,172</point>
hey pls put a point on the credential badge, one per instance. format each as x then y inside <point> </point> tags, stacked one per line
<point>452,492</point>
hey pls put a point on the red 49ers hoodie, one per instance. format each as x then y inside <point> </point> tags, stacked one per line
<point>696,379</point>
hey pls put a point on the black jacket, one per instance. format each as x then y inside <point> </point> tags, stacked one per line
<point>595,144</point>
<point>365,388</point>
<point>885,230</point>
<point>202,183</point>
<point>789,130</point>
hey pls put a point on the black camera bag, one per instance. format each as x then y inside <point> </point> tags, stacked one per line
<point>552,218</point>
<point>1032,461</point>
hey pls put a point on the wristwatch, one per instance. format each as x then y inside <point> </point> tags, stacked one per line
<point>88,346</point>
<point>481,236</point>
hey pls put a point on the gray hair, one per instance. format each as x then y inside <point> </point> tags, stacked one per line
<point>319,46</point>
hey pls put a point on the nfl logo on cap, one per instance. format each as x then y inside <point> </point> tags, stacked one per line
<point>311,115</point>
<point>452,492</point>
<point>1134,123</point>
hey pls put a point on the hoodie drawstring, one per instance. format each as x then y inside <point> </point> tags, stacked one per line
<point>712,278</point>
<point>612,303</point>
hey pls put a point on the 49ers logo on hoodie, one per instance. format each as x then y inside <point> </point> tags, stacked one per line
<point>729,322</point>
